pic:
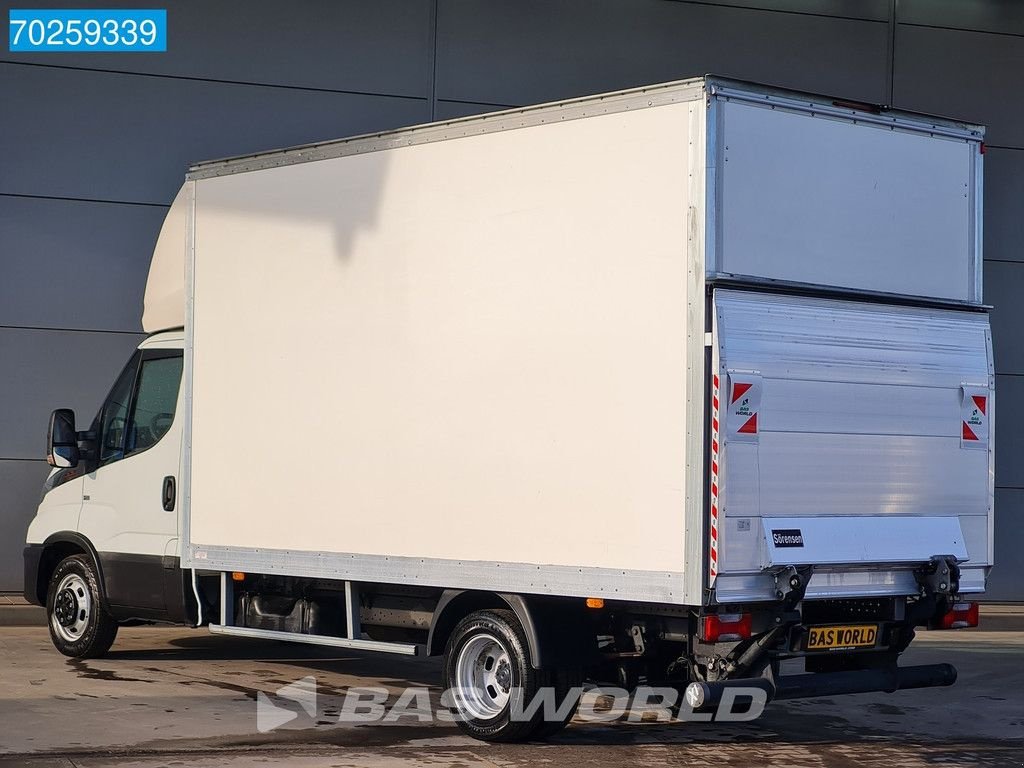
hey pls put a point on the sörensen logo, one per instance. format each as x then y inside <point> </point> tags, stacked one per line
<point>787,537</point>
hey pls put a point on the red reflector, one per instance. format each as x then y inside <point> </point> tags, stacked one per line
<point>960,616</point>
<point>726,627</point>
<point>982,147</point>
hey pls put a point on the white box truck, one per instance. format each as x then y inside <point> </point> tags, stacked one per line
<point>674,384</point>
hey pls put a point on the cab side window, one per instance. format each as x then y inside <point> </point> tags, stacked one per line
<point>140,408</point>
<point>152,410</point>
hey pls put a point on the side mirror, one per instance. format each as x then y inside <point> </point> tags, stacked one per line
<point>62,440</point>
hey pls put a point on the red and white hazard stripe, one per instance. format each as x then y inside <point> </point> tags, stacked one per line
<point>974,417</point>
<point>969,423</point>
<point>713,551</point>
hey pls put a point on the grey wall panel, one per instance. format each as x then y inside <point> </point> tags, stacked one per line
<point>71,264</point>
<point>449,110</point>
<point>1009,431</point>
<point>20,485</point>
<point>1005,582</point>
<point>43,370</point>
<point>1004,204</point>
<point>972,76</point>
<point>95,135</point>
<point>1003,16</point>
<point>520,52</point>
<point>377,46</point>
<point>877,10</point>
<point>1004,286</point>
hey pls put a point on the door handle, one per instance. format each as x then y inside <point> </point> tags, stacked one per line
<point>168,493</point>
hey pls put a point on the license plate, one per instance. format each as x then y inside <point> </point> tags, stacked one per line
<point>841,638</point>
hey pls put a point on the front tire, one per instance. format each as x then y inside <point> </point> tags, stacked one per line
<point>79,625</point>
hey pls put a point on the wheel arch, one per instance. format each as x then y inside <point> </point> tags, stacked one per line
<point>56,548</point>
<point>456,604</point>
<point>555,628</point>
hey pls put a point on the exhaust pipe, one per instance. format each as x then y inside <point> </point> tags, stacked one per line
<point>704,696</point>
<point>707,696</point>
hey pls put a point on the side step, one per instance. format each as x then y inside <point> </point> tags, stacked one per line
<point>354,640</point>
<point>406,649</point>
<point>708,695</point>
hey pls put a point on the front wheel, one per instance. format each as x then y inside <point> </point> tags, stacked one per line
<point>492,684</point>
<point>79,626</point>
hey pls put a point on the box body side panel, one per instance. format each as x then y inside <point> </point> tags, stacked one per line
<point>469,355</point>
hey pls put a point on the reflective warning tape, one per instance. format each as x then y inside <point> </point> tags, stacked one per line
<point>713,549</point>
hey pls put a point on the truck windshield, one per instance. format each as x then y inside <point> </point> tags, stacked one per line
<point>113,417</point>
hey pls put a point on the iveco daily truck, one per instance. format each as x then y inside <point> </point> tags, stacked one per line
<point>670,384</point>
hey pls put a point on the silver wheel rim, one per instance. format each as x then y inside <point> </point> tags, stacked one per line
<point>483,676</point>
<point>72,607</point>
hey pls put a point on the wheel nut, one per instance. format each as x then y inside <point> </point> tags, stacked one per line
<point>503,676</point>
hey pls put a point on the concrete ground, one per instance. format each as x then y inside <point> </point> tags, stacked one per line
<point>15,612</point>
<point>172,696</point>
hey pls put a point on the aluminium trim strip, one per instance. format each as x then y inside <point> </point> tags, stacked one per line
<point>772,285</point>
<point>185,460</point>
<point>701,179</point>
<point>924,124</point>
<point>404,649</point>
<point>521,578</point>
<point>978,220</point>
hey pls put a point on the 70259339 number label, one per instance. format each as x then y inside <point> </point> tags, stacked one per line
<point>78,30</point>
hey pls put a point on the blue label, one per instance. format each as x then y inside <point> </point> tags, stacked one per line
<point>80,30</point>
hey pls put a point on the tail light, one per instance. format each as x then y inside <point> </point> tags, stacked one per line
<point>960,616</point>
<point>726,627</point>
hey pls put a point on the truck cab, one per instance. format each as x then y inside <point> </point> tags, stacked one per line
<point>115,507</point>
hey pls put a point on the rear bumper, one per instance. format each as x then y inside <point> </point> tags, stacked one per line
<point>33,555</point>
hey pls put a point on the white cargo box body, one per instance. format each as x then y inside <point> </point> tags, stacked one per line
<point>482,354</point>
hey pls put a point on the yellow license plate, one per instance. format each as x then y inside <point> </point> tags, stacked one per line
<point>842,637</point>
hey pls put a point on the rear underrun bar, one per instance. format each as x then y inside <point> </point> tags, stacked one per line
<point>709,695</point>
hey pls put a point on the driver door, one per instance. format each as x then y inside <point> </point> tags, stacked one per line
<point>129,507</point>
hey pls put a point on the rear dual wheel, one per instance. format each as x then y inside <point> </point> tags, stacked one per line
<point>489,676</point>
